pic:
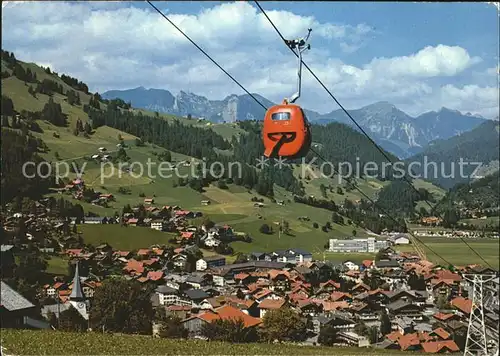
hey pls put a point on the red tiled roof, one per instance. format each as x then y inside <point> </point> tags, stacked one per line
<point>442,333</point>
<point>74,251</point>
<point>335,296</point>
<point>142,279</point>
<point>330,283</point>
<point>463,304</point>
<point>133,265</point>
<point>228,312</point>
<point>443,316</point>
<point>122,253</point>
<point>437,346</point>
<point>271,303</point>
<point>367,263</point>
<point>332,306</point>
<point>394,336</point>
<point>143,252</point>
<point>155,275</point>
<point>262,293</point>
<point>58,285</point>
<point>275,273</point>
<point>408,340</point>
<point>362,286</point>
<point>241,276</point>
<point>182,212</point>
<point>179,308</point>
<point>187,234</point>
<point>132,221</point>
<point>150,261</point>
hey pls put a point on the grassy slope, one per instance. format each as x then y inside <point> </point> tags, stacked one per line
<point>24,342</point>
<point>124,238</point>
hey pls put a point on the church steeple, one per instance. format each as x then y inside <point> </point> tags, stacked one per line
<point>77,291</point>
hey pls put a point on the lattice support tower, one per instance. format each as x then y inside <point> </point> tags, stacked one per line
<point>477,343</point>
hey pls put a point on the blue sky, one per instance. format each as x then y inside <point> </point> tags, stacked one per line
<point>419,56</point>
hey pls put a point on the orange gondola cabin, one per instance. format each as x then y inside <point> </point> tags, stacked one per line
<point>286,131</point>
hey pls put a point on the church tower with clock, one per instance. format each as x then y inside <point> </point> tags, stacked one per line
<point>77,298</point>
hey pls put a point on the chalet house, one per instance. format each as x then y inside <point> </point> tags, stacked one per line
<point>440,346</point>
<point>95,220</point>
<point>247,306</point>
<point>186,214</point>
<point>364,312</point>
<point>157,225</point>
<point>270,304</point>
<point>194,323</point>
<point>309,307</point>
<point>149,201</point>
<point>197,281</point>
<point>104,248</point>
<point>209,262</point>
<point>89,288</point>
<point>132,222</point>
<point>196,296</point>
<point>322,269</point>
<point>351,266</point>
<point>387,264</point>
<point>400,239</point>
<point>262,294</point>
<point>235,268</point>
<point>417,297</point>
<point>339,321</point>
<point>176,281</point>
<point>280,280</point>
<point>405,308</point>
<point>15,310</point>
<point>170,296</point>
<point>293,256</point>
<point>462,305</point>
<point>179,260</point>
<point>258,256</point>
<point>51,291</point>
<point>122,254</point>
<point>211,242</point>
<point>106,197</point>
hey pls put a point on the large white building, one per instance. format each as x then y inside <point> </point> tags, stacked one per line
<point>357,245</point>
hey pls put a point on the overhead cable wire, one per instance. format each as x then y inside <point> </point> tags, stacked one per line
<point>433,207</point>
<point>205,53</point>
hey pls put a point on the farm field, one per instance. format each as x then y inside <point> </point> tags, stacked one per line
<point>57,265</point>
<point>456,252</point>
<point>25,342</point>
<point>123,238</point>
<point>492,220</point>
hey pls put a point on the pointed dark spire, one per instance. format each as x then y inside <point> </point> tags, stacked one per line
<point>77,291</point>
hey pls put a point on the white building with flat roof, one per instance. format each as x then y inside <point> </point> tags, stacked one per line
<point>357,245</point>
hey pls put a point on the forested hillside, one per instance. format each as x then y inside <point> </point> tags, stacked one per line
<point>341,143</point>
<point>483,193</point>
<point>480,145</point>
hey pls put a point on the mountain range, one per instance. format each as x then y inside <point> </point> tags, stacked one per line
<point>394,130</point>
<point>478,149</point>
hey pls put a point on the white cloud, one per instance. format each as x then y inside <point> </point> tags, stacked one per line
<point>116,46</point>
<point>429,62</point>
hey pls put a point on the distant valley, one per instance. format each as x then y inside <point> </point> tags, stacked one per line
<point>394,130</point>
